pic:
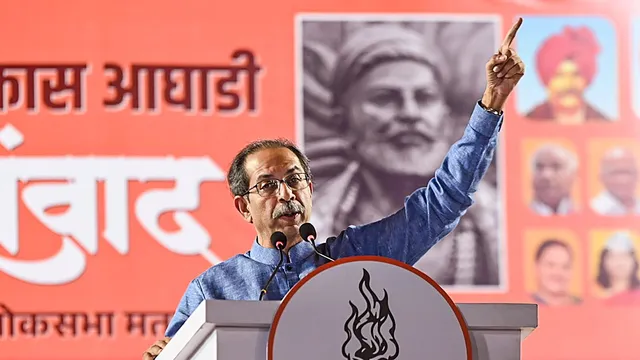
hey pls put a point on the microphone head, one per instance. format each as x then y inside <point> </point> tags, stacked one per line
<point>279,240</point>
<point>307,232</point>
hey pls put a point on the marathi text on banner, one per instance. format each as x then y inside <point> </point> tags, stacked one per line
<point>28,324</point>
<point>80,176</point>
<point>62,88</point>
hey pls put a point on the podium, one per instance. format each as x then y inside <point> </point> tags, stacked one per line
<point>411,316</point>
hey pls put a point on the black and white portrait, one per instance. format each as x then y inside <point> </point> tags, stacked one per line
<point>380,101</point>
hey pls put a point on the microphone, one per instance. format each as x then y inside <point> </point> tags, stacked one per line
<point>279,241</point>
<point>308,234</point>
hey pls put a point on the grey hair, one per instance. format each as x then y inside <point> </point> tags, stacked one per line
<point>237,177</point>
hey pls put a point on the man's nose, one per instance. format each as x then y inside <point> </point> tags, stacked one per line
<point>410,110</point>
<point>285,193</point>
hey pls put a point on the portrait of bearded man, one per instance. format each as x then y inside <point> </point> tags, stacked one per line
<point>382,102</point>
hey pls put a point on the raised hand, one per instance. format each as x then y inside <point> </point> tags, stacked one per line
<point>504,70</point>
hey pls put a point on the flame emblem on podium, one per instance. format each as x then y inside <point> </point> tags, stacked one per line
<point>370,331</point>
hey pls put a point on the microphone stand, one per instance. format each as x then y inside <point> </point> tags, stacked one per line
<point>263,292</point>
<point>313,243</point>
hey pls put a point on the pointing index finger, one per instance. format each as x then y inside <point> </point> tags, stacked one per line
<point>506,44</point>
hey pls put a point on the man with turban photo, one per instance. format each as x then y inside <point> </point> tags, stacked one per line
<point>381,108</point>
<point>566,64</point>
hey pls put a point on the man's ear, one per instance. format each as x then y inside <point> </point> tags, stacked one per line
<point>311,187</point>
<point>242,205</point>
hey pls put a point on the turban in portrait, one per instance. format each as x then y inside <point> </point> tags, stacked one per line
<point>577,44</point>
<point>372,45</point>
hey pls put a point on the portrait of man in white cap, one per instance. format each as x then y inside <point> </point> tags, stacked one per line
<point>382,103</point>
<point>618,174</point>
<point>618,269</point>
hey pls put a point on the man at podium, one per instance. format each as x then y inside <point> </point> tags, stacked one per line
<point>272,186</point>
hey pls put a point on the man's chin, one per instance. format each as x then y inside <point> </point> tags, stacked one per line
<point>292,233</point>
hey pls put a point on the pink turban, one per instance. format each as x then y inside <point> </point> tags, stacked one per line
<point>577,44</point>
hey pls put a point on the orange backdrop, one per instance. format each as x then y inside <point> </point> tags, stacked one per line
<point>115,260</point>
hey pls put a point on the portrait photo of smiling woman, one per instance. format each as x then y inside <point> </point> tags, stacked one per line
<point>618,270</point>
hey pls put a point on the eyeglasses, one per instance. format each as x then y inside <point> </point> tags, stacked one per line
<point>270,187</point>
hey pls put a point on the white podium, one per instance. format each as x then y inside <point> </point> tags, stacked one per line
<point>243,330</point>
